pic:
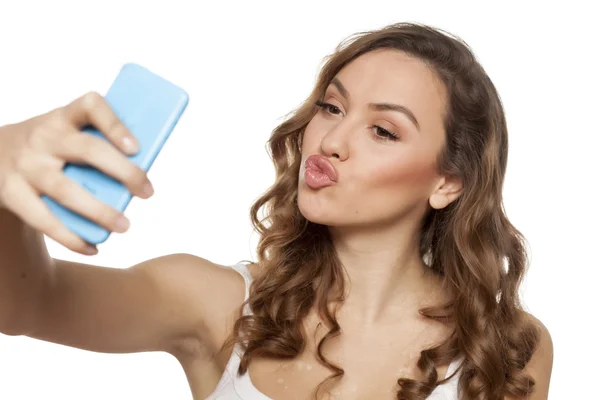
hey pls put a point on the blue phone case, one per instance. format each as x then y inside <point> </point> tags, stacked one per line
<point>150,107</point>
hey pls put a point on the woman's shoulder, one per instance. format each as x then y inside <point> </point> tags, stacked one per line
<point>540,365</point>
<point>212,294</point>
<point>194,275</point>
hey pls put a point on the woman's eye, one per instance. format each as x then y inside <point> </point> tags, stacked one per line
<point>384,134</point>
<point>329,108</point>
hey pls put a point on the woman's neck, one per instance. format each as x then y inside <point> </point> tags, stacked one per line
<point>386,277</point>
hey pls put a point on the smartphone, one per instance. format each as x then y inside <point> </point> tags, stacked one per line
<point>150,107</point>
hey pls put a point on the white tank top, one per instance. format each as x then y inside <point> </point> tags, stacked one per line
<point>234,387</point>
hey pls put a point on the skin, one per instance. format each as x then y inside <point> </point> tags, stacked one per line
<point>373,211</point>
<point>167,303</point>
<point>385,185</point>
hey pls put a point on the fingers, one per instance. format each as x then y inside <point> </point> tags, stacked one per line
<point>39,153</point>
<point>25,203</point>
<point>92,108</point>
<point>74,197</point>
<point>100,154</point>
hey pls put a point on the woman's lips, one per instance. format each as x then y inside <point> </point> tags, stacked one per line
<point>319,172</point>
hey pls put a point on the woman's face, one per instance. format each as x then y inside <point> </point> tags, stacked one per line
<point>382,129</point>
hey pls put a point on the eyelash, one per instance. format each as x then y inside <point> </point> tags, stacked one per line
<point>386,135</point>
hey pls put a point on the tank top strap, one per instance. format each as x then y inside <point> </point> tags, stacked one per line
<point>243,270</point>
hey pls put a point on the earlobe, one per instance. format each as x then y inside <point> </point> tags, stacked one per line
<point>436,201</point>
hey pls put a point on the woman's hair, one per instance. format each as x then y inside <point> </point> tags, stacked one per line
<point>471,244</point>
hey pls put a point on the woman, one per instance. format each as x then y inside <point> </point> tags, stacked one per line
<point>386,265</point>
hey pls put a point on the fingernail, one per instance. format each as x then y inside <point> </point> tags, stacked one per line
<point>122,223</point>
<point>129,144</point>
<point>90,250</point>
<point>148,189</point>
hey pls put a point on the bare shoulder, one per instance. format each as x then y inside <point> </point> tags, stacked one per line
<point>540,365</point>
<point>191,274</point>
<point>543,356</point>
<point>212,293</point>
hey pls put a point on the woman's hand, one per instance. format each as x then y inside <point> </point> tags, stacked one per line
<point>34,152</point>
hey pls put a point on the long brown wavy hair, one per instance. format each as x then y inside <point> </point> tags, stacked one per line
<point>471,244</point>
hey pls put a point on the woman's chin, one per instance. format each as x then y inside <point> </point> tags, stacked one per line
<point>316,213</point>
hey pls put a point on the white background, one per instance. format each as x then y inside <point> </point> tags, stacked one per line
<point>245,65</point>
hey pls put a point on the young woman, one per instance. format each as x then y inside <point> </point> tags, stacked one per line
<point>387,267</point>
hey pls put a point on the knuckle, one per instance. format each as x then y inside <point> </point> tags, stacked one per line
<point>104,214</point>
<point>7,189</point>
<point>116,126</point>
<point>135,176</point>
<point>9,161</point>
<point>118,130</point>
<point>22,161</point>
<point>52,228</point>
<point>90,100</point>
<point>36,136</point>
<point>57,117</point>
<point>41,136</point>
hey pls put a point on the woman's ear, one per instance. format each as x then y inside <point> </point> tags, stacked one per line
<point>448,190</point>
